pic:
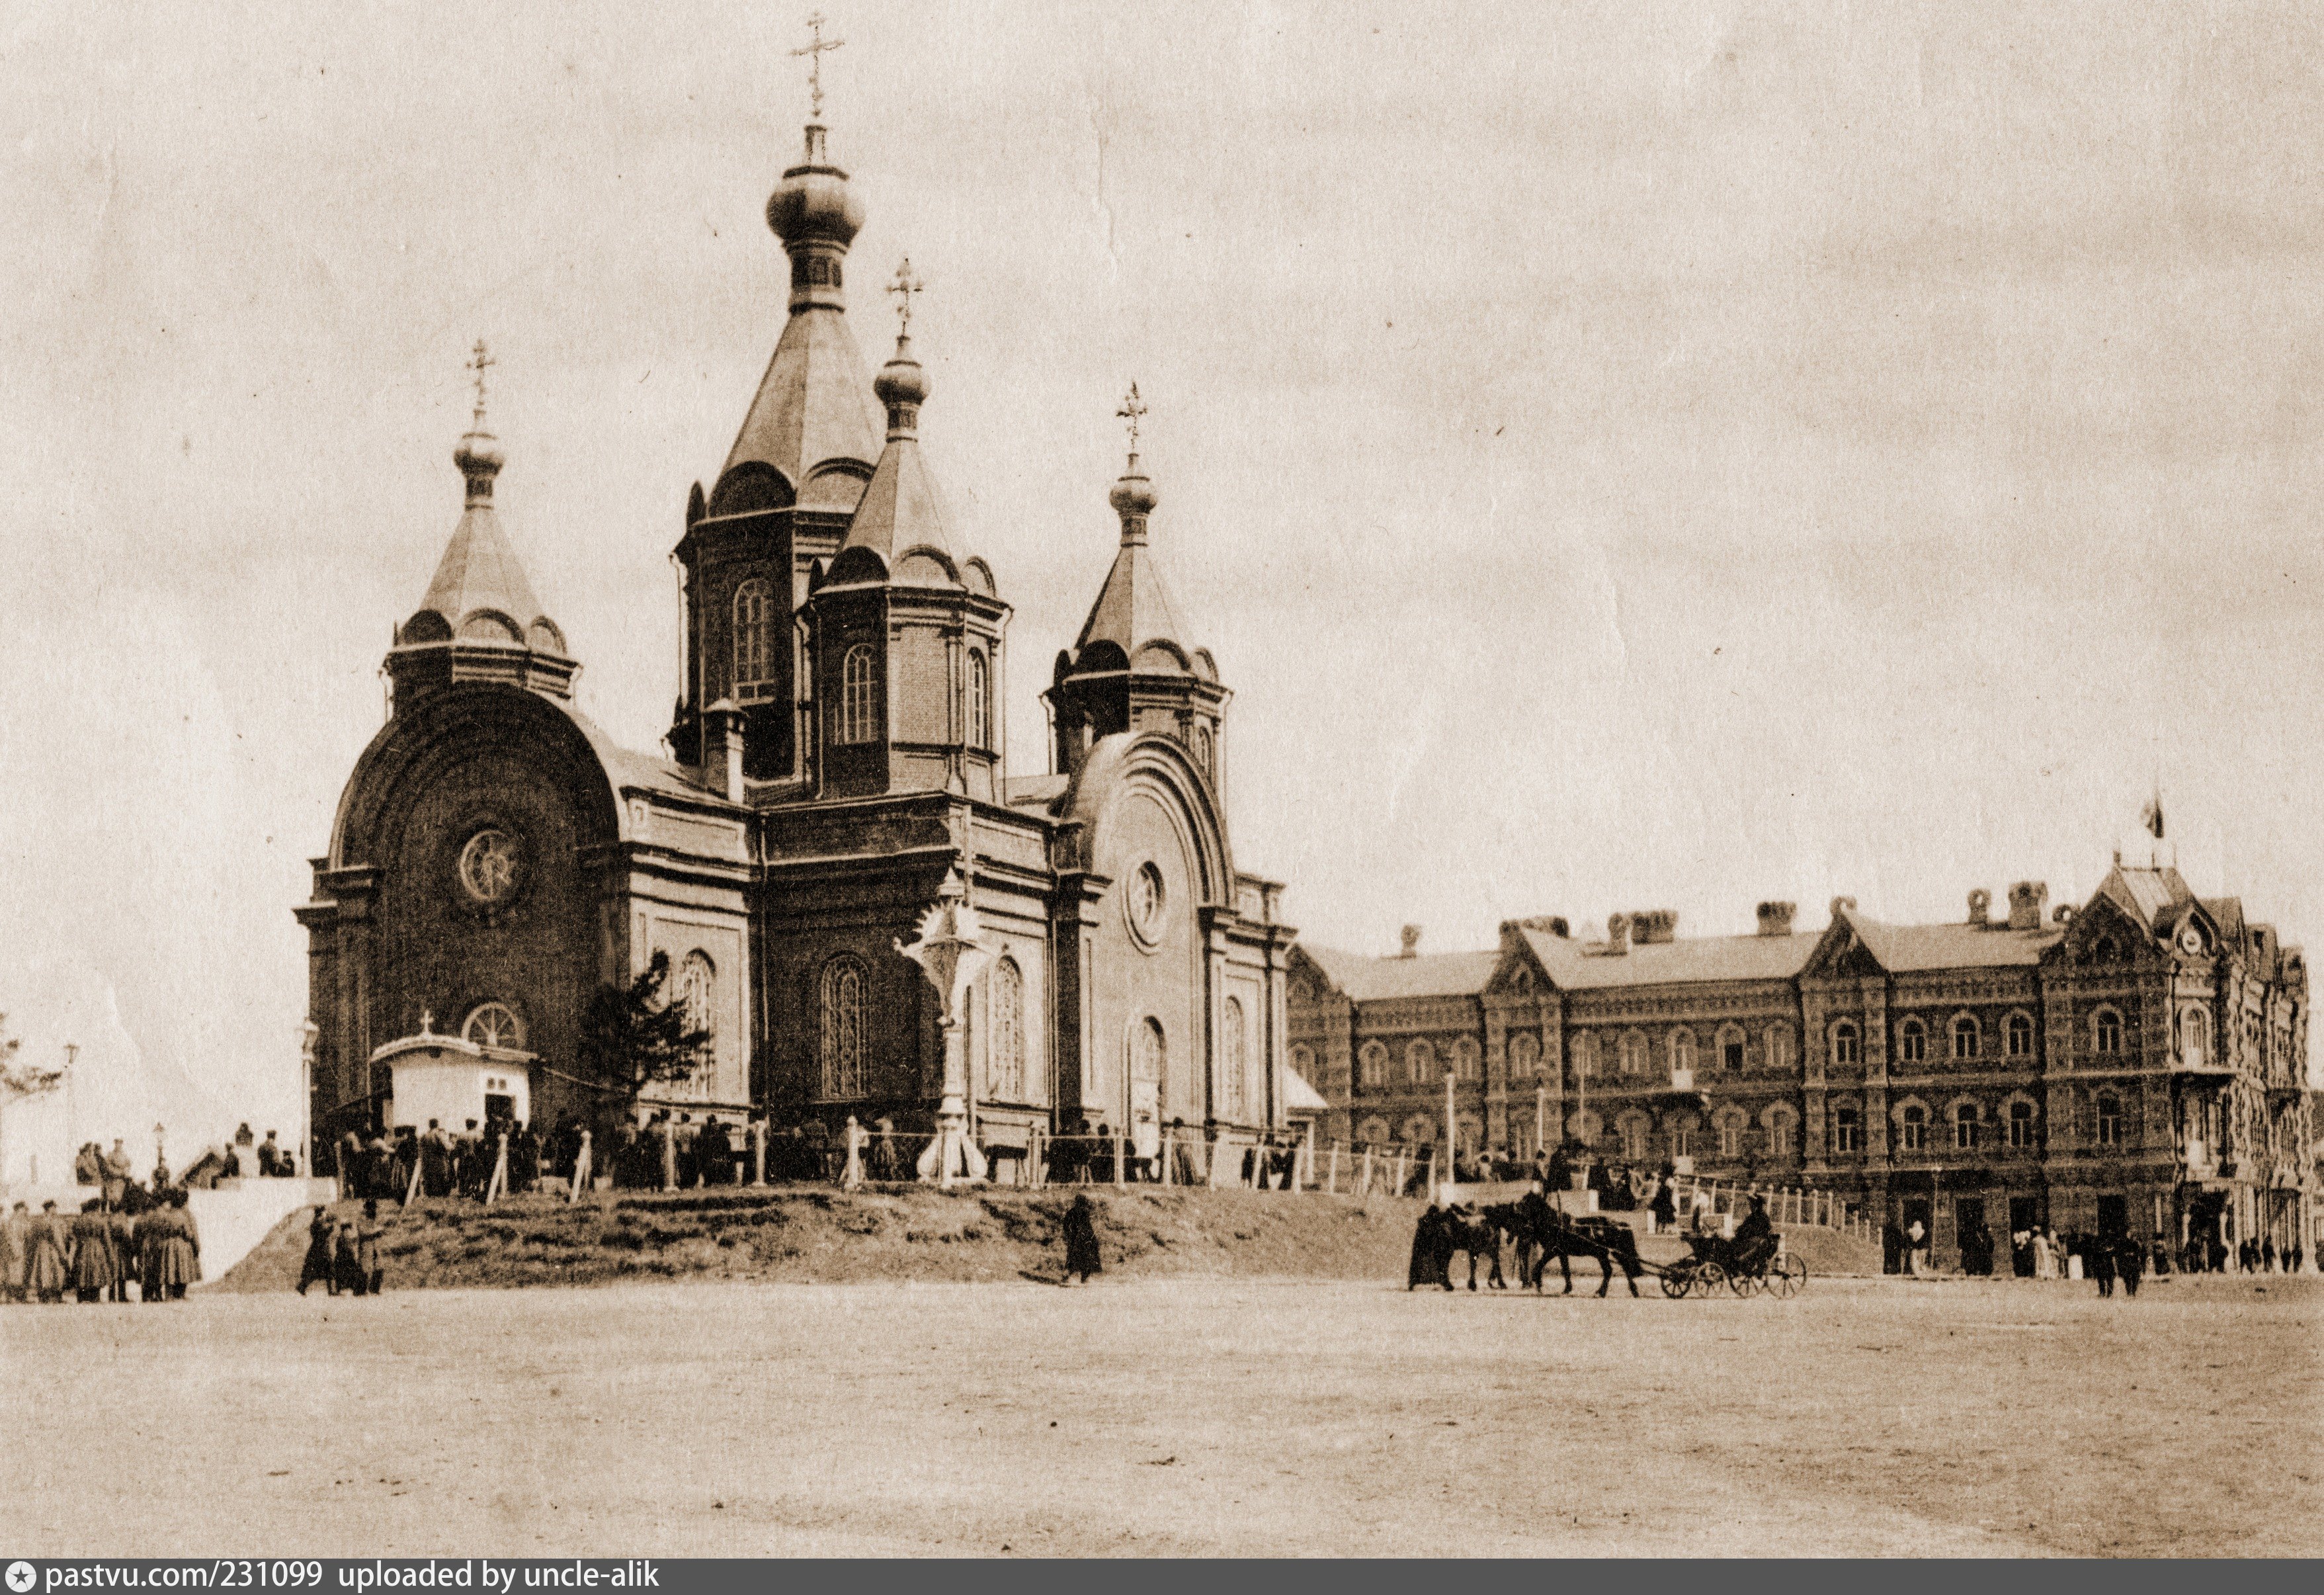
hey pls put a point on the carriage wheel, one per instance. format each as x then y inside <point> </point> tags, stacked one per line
<point>1788,1278</point>
<point>1709,1277</point>
<point>1675,1281</point>
<point>1747,1284</point>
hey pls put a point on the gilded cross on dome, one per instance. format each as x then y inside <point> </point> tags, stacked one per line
<point>904,285</point>
<point>814,52</point>
<point>480,362</point>
<point>1132,408</point>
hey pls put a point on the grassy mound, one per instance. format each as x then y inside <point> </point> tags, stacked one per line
<point>822,1235</point>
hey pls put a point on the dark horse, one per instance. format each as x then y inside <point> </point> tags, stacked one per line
<point>1443,1231</point>
<point>1543,1232</point>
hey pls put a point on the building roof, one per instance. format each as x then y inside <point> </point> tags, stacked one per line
<point>814,404</point>
<point>1299,1096</point>
<point>1133,611</point>
<point>1903,948</point>
<point>1578,966</point>
<point>1430,974</point>
<point>479,572</point>
<point>900,510</point>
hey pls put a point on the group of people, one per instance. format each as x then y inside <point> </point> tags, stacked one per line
<point>343,1254</point>
<point>100,1253</point>
<point>1084,1154</point>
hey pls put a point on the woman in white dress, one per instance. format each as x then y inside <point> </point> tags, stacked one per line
<point>2045,1256</point>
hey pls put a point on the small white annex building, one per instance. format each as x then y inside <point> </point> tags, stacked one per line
<point>452,1081</point>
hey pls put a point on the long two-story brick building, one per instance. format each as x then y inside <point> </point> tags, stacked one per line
<point>2139,1063</point>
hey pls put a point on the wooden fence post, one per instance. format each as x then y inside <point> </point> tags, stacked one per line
<point>758,1152</point>
<point>580,1170</point>
<point>411,1191</point>
<point>669,1154</point>
<point>497,1186</point>
<point>1121,1160</point>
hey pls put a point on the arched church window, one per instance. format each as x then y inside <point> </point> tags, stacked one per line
<point>754,642</point>
<point>494,1024</point>
<point>840,1038</point>
<point>1007,1016</point>
<point>859,705</point>
<point>1231,1061</point>
<point>980,703</point>
<point>1203,749</point>
<point>696,981</point>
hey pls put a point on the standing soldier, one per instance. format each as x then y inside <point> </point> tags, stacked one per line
<point>15,1251</point>
<point>94,1267</point>
<point>48,1256</point>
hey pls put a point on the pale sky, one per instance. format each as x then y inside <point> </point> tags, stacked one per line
<point>1621,457</point>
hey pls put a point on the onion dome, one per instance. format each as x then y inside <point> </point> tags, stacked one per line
<point>812,203</point>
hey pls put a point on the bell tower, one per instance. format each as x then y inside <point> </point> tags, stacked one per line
<point>792,482</point>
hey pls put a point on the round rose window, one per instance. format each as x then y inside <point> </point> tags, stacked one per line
<point>1148,902</point>
<point>488,867</point>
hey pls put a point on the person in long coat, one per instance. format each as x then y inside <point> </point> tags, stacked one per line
<point>345,1266</point>
<point>1429,1260</point>
<point>316,1264</point>
<point>15,1251</point>
<point>94,1265</point>
<point>368,1239</point>
<point>1079,1234</point>
<point>181,1256</point>
<point>48,1256</point>
<point>126,1262</point>
<point>147,1235</point>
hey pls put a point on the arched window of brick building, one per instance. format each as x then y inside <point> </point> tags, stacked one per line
<point>2106,1032</point>
<point>1420,1063</point>
<point>840,1035</point>
<point>1585,1055</point>
<point>1965,1036</point>
<point>1783,1130</point>
<point>1372,1066</point>
<point>2195,1038</point>
<point>1846,1044</point>
<point>1731,1046</point>
<point>1006,1017</point>
<point>754,642</point>
<point>1847,1130</point>
<point>859,703</point>
<point>1233,1056</point>
<point>2109,1120</point>
<point>2021,1124</point>
<point>1965,1119</point>
<point>1681,1051</point>
<point>1779,1046</point>
<point>1634,1052</point>
<point>1912,1127</point>
<point>1525,1055</point>
<point>1912,1041</point>
<point>980,701</point>
<point>1466,1066</point>
<point>2020,1032</point>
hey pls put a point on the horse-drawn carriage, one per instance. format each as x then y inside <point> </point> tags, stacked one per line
<point>1714,1263</point>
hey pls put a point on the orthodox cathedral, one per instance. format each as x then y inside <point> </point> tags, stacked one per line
<point>836,767</point>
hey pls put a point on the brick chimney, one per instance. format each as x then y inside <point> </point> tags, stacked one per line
<point>1775,918</point>
<point>1411,942</point>
<point>1980,902</point>
<point>721,749</point>
<point>2027,899</point>
<point>1618,933</point>
<point>1654,926</point>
